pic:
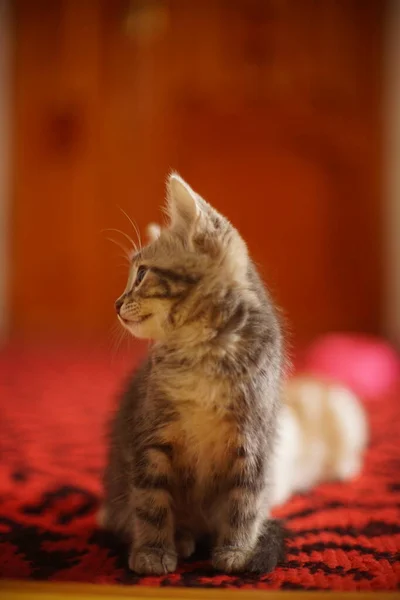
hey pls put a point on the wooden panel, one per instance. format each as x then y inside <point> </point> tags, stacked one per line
<point>257,103</point>
<point>56,153</point>
<point>24,590</point>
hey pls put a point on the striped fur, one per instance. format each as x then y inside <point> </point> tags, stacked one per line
<point>192,440</point>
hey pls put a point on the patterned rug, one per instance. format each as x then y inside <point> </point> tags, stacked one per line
<point>53,409</point>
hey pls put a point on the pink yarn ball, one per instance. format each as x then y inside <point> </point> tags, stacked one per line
<point>367,365</point>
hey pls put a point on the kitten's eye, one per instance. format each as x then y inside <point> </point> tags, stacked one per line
<point>141,272</point>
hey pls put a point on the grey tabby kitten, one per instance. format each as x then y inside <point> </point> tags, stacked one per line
<point>192,441</point>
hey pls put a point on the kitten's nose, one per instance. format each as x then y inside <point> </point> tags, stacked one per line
<point>118,304</point>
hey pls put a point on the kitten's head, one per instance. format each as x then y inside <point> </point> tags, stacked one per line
<point>179,284</point>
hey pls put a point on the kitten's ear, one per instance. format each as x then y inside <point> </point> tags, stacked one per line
<point>153,231</point>
<point>182,205</point>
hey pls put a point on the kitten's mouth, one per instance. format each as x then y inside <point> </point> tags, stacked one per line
<point>134,321</point>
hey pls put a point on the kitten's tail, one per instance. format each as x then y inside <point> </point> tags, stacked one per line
<point>270,550</point>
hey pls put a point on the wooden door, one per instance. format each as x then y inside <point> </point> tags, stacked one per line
<point>270,109</point>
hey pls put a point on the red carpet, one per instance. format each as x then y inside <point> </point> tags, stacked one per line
<point>53,408</point>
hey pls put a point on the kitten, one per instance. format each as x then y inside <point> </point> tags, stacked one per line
<point>192,441</point>
<point>323,432</point>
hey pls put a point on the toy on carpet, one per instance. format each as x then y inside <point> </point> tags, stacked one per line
<point>366,364</point>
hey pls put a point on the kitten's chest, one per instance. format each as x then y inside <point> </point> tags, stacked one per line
<point>204,433</point>
<point>207,435</point>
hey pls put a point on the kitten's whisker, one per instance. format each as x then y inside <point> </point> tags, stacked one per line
<point>125,250</point>
<point>134,246</point>
<point>138,236</point>
<point>127,216</point>
<point>115,329</point>
<point>128,262</point>
<point>134,225</point>
<point>118,344</point>
<point>117,337</point>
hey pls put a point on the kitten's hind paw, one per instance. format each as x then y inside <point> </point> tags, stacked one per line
<point>153,561</point>
<point>270,549</point>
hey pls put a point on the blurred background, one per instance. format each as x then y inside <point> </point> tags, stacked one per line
<point>284,114</point>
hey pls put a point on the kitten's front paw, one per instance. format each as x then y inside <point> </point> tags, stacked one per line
<point>229,559</point>
<point>153,561</point>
